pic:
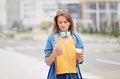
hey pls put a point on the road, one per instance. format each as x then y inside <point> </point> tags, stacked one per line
<point>101,58</point>
<point>22,59</point>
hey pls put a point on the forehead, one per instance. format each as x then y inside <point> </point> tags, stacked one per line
<point>62,18</point>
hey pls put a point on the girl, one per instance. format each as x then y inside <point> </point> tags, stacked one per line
<point>64,62</point>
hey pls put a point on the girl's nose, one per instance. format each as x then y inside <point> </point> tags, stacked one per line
<point>62,23</point>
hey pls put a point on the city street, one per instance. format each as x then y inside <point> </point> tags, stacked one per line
<point>25,27</point>
<point>24,58</point>
<point>102,57</point>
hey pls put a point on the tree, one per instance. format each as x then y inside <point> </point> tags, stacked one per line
<point>17,26</point>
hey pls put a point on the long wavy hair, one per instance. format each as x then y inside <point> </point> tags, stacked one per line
<point>56,29</point>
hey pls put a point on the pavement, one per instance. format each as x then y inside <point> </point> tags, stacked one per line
<point>14,65</point>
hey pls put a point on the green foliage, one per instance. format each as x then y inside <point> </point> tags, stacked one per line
<point>24,31</point>
<point>106,29</point>
<point>17,26</point>
<point>1,34</point>
<point>115,31</point>
<point>86,30</point>
<point>45,25</point>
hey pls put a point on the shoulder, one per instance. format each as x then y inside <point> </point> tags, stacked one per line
<point>78,40</point>
<point>76,35</point>
<point>52,36</point>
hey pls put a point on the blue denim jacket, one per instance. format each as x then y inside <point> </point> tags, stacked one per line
<point>52,40</point>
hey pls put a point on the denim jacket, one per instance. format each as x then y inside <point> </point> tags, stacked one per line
<point>52,40</point>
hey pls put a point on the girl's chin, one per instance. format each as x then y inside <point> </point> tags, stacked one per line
<point>64,30</point>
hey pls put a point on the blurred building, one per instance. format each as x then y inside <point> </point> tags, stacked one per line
<point>3,13</point>
<point>13,12</point>
<point>101,12</point>
<point>72,6</point>
<point>92,13</point>
<point>30,12</point>
<point>33,12</point>
<point>49,8</point>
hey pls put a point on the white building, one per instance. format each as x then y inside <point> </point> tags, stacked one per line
<point>30,12</point>
<point>3,14</point>
<point>33,12</point>
<point>101,12</point>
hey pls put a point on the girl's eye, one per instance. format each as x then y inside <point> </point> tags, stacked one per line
<point>60,22</point>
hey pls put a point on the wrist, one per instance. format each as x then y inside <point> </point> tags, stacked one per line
<point>54,54</point>
<point>80,62</point>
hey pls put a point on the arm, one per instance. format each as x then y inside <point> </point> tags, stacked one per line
<point>56,52</point>
<point>49,56</point>
<point>50,59</point>
<point>79,44</point>
<point>80,57</point>
<point>50,52</point>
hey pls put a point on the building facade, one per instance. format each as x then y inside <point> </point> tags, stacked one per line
<point>101,12</point>
<point>98,13</point>
<point>3,15</point>
<point>33,12</point>
<point>13,12</point>
<point>72,6</point>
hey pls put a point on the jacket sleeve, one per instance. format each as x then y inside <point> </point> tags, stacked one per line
<point>79,44</point>
<point>48,49</point>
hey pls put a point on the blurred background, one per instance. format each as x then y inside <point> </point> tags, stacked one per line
<point>26,24</point>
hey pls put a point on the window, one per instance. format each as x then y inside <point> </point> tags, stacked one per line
<point>113,15</point>
<point>103,24</point>
<point>74,9</point>
<point>93,16</point>
<point>114,6</point>
<point>91,6</point>
<point>102,6</point>
<point>103,16</point>
<point>92,24</point>
<point>114,24</point>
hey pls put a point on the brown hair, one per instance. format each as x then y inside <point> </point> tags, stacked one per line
<point>55,28</point>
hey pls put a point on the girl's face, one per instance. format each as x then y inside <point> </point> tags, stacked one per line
<point>63,24</point>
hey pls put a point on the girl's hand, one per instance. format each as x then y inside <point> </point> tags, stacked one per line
<point>80,56</point>
<point>57,52</point>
